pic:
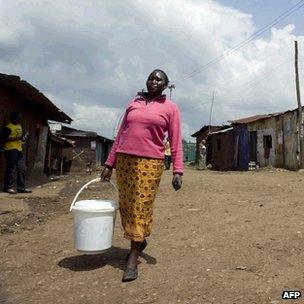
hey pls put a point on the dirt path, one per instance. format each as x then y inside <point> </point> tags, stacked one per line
<point>225,238</point>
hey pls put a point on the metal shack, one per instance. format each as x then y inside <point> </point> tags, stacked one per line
<point>273,139</point>
<point>59,155</point>
<point>36,109</point>
<point>222,143</point>
<point>88,147</point>
<point>202,134</point>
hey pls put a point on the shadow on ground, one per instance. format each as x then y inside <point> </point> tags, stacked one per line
<point>115,257</point>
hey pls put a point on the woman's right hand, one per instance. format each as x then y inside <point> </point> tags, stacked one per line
<point>106,174</point>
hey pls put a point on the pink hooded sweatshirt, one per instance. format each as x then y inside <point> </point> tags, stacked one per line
<point>143,129</point>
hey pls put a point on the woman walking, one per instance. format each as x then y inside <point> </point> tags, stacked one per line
<point>138,156</point>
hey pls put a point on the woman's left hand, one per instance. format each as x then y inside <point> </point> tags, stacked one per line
<point>177,181</point>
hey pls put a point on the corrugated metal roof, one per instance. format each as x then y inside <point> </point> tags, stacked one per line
<point>62,140</point>
<point>32,96</point>
<point>204,128</point>
<point>254,118</point>
<point>66,131</point>
<point>70,132</point>
<point>222,131</point>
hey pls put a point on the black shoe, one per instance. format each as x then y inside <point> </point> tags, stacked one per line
<point>10,191</point>
<point>130,274</point>
<point>24,191</point>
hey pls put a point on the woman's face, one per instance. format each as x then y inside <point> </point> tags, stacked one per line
<point>156,83</point>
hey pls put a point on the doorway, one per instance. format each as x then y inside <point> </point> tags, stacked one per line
<point>253,146</point>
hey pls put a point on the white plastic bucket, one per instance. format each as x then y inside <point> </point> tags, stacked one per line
<point>94,222</point>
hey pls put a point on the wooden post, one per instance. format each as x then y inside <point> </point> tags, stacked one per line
<point>211,110</point>
<point>300,112</point>
<point>61,160</point>
<point>171,86</point>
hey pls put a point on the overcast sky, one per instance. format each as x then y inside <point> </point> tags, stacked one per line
<point>91,57</point>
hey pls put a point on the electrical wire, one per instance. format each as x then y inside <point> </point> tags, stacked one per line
<point>230,51</point>
<point>247,85</point>
<point>238,46</point>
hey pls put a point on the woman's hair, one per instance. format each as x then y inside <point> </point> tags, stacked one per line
<point>165,75</point>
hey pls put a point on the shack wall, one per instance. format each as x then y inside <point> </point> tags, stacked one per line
<point>265,127</point>
<point>203,135</point>
<point>41,148</point>
<point>83,145</point>
<point>97,156</point>
<point>32,121</point>
<point>279,148</point>
<point>241,147</point>
<point>222,159</point>
<point>291,151</point>
<point>59,156</point>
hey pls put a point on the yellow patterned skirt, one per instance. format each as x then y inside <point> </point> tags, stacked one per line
<point>138,179</point>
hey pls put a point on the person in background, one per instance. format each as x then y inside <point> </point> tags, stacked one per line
<point>167,155</point>
<point>202,152</point>
<point>89,168</point>
<point>138,156</point>
<point>12,138</point>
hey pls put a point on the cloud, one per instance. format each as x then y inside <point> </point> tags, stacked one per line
<point>97,118</point>
<point>91,57</point>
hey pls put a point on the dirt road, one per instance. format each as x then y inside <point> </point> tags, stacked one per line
<point>225,238</point>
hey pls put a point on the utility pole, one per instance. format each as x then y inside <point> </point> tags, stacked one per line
<point>117,124</point>
<point>211,110</point>
<point>170,87</point>
<point>300,112</point>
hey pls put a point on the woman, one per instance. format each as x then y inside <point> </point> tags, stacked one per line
<point>138,156</point>
<point>202,155</point>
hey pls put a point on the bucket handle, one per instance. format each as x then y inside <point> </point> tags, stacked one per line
<point>85,186</point>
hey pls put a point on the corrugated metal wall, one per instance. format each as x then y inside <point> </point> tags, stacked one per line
<point>98,153</point>
<point>241,147</point>
<point>189,152</point>
<point>222,151</point>
<point>283,131</point>
<point>279,148</point>
<point>265,127</point>
<point>33,121</point>
<point>290,141</point>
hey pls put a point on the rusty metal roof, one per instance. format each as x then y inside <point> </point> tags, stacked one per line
<point>254,118</point>
<point>70,132</point>
<point>66,131</point>
<point>62,140</point>
<point>32,96</point>
<point>205,128</point>
<point>222,131</point>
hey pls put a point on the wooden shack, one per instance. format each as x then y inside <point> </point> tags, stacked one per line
<point>202,134</point>
<point>36,109</point>
<point>222,143</point>
<point>59,155</point>
<point>88,147</point>
<point>273,139</point>
<point>260,138</point>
